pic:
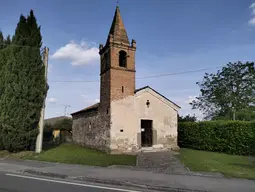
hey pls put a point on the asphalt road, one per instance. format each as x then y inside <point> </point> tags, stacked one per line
<point>22,183</point>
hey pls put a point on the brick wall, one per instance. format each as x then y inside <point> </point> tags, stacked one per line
<point>125,79</point>
<point>117,82</point>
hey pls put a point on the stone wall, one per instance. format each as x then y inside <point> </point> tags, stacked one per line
<point>91,130</point>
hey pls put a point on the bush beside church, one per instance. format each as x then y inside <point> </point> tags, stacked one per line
<point>232,137</point>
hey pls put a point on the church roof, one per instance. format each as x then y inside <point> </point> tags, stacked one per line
<point>95,106</point>
<point>117,29</point>
<point>87,109</point>
<point>148,87</point>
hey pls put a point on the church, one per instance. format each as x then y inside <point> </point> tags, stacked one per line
<point>126,120</point>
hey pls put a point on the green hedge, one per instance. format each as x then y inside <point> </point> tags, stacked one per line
<point>1,139</point>
<point>1,143</point>
<point>232,137</point>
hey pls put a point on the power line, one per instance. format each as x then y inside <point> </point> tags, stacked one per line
<point>144,77</point>
<point>177,73</point>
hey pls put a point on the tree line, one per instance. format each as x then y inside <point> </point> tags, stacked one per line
<point>228,94</point>
<point>23,86</point>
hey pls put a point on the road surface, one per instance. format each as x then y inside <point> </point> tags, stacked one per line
<point>22,183</point>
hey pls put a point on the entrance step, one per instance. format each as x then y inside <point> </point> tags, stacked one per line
<point>154,148</point>
<point>163,161</point>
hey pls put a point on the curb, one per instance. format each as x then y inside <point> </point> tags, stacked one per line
<point>109,182</point>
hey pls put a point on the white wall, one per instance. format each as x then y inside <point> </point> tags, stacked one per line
<point>127,113</point>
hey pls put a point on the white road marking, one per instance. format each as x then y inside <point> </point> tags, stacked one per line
<point>70,183</point>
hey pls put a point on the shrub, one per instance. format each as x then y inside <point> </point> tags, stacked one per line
<point>1,139</point>
<point>232,137</point>
<point>64,124</point>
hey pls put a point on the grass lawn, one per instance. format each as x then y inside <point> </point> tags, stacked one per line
<point>229,165</point>
<point>69,153</point>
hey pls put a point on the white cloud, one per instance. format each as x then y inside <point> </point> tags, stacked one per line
<point>252,6</point>
<point>186,108</point>
<point>79,54</point>
<point>52,100</point>
<point>252,21</point>
<point>89,99</point>
<point>190,99</point>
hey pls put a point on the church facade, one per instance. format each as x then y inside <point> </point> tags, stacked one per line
<point>126,119</point>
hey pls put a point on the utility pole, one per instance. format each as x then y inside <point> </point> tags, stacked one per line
<point>39,139</point>
<point>65,109</point>
<point>234,114</point>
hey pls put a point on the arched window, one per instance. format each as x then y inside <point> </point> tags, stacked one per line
<point>122,59</point>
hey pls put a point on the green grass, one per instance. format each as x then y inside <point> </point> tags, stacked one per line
<point>73,154</point>
<point>229,165</point>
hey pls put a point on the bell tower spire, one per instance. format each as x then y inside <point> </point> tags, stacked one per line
<point>117,69</point>
<point>117,31</point>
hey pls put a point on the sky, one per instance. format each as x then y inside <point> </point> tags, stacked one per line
<point>173,36</point>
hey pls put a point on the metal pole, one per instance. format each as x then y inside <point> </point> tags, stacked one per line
<point>234,114</point>
<point>66,109</point>
<point>39,139</point>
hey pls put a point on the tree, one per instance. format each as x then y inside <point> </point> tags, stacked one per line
<point>3,56</point>
<point>228,92</point>
<point>1,40</point>
<point>187,118</point>
<point>8,40</point>
<point>25,86</point>
<point>1,64</point>
<point>1,84</point>
<point>246,114</point>
<point>64,124</point>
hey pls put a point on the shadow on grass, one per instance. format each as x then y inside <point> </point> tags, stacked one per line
<point>50,145</point>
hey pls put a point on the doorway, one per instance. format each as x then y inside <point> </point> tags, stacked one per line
<point>146,133</point>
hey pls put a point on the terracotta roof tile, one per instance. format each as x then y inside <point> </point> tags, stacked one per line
<point>88,109</point>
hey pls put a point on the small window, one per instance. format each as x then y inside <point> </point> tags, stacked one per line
<point>148,103</point>
<point>121,130</point>
<point>122,59</point>
<point>107,111</point>
<point>90,126</point>
<point>122,89</point>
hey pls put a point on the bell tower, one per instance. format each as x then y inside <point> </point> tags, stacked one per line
<point>117,69</point>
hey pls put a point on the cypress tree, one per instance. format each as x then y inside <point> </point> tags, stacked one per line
<point>8,40</point>
<point>2,41</point>
<point>25,86</point>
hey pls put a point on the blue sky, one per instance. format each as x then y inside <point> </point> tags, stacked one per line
<point>172,36</point>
